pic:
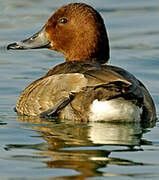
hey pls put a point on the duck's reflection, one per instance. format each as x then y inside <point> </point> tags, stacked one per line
<point>85,147</point>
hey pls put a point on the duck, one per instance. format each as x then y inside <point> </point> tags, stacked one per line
<point>84,87</point>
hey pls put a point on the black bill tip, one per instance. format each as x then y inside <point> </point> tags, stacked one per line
<point>14,46</point>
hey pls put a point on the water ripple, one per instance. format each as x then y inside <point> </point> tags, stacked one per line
<point>3,49</point>
<point>129,9</point>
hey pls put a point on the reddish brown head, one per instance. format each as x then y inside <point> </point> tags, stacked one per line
<point>76,30</point>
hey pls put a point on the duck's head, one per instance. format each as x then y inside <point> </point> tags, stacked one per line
<point>76,30</point>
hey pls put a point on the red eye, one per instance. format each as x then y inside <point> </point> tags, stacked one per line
<point>63,20</point>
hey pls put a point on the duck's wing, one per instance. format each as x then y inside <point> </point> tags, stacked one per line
<point>96,75</point>
<point>52,92</point>
<point>83,88</point>
<point>118,80</point>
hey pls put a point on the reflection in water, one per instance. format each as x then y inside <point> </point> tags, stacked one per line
<point>83,147</point>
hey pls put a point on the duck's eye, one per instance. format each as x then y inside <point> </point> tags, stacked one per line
<point>63,20</point>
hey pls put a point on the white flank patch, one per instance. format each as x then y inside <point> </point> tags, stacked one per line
<point>114,110</point>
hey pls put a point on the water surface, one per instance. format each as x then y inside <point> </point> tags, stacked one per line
<point>31,148</point>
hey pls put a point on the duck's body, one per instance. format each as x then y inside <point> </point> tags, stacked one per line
<point>88,92</point>
<point>82,88</point>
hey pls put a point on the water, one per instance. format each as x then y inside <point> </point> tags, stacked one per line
<point>31,148</point>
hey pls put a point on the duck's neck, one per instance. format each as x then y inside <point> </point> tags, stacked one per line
<point>94,58</point>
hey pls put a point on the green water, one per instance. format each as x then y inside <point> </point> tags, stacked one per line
<point>31,148</point>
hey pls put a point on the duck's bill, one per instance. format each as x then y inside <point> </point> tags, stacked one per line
<point>38,40</point>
